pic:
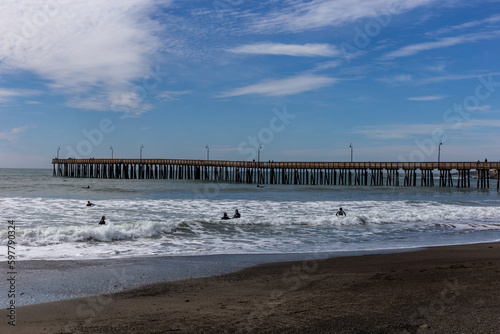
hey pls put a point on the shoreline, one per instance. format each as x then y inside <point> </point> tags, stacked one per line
<point>440,289</point>
<point>56,280</point>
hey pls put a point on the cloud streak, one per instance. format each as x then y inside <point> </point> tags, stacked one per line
<point>471,24</point>
<point>407,131</point>
<point>7,94</point>
<point>289,86</point>
<point>396,79</point>
<point>427,98</point>
<point>11,135</point>
<point>454,78</point>
<point>306,50</point>
<point>414,49</point>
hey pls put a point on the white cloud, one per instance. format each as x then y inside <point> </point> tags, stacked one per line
<point>300,16</point>
<point>483,108</point>
<point>413,49</point>
<point>170,95</point>
<point>128,102</point>
<point>396,79</point>
<point>401,131</point>
<point>288,86</point>
<point>17,92</point>
<point>427,98</point>
<point>79,47</point>
<point>305,50</point>
<point>396,131</point>
<point>471,24</point>
<point>456,77</point>
<point>328,65</point>
<point>12,134</point>
<point>8,94</point>
<point>436,68</point>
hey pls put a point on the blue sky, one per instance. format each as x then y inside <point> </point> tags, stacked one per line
<point>301,79</point>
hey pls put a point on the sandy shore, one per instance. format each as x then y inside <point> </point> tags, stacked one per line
<point>438,290</point>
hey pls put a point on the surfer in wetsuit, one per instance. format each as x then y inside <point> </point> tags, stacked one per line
<point>340,213</point>
<point>90,204</point>
<point>225,216</point>
<point>236,214</point>
<point>103,221</point>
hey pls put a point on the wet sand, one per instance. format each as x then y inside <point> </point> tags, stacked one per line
<point>453,289</point>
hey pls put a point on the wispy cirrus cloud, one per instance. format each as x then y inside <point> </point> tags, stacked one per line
<point>455,77</point>
<point>79,48</point>
<point>494,19</point>
<point>396,131</point>
<point>282,87</point>
<point>427,98</point>
<point>12,134</point>
<point>396,79</point>
<point>301,16</point>
<point>170,95</point>
<point>328,65</point>
<point>6,93</point>
<point>413,49</point>
<point>405,131</point>
<point>304,50</point>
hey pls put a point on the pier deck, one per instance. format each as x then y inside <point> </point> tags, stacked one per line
<point>306,173</point>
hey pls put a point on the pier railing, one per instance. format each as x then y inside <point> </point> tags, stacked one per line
<point>270,172</point>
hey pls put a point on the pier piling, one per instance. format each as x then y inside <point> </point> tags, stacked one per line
<point>298,173</point>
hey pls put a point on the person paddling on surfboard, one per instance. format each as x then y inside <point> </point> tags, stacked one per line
<point>90,204</point>
<point>340,213</point>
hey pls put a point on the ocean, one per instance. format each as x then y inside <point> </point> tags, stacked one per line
<point>151,218</point>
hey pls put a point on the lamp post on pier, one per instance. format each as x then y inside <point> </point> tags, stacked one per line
<point>208,152</point>
<point>258,165</point>
<point>142,146</point>
<point>350,146</point>
<point>258,156</point>
<point>111,148</point>
<point>58,149</point>
<point>439,152</point>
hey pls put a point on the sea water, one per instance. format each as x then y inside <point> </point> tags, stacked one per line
<point>148,218</point>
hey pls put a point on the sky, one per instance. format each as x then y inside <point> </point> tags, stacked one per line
<point>289,80</point>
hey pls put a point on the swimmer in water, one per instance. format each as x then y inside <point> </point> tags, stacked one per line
<point>340,213</point>
<point>236,214</point>
<point>225,216</point>
<point>103,221</point>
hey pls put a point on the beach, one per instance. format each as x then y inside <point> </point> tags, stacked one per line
<point>449,289</point>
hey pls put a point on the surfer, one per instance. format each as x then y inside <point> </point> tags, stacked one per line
<point>236,214</point>
<point>103,221</point>
<point>90,204</point>
<point>340,213</point>
<point>225,216</point>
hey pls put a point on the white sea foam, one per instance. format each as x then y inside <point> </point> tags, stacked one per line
<point>65,228</point>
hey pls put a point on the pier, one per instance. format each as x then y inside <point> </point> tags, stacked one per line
<point>425,174</point>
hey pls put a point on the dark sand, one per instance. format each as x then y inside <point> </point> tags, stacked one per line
<point>438,290</point>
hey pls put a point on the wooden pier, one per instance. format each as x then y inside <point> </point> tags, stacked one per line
<point>448,174</point>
